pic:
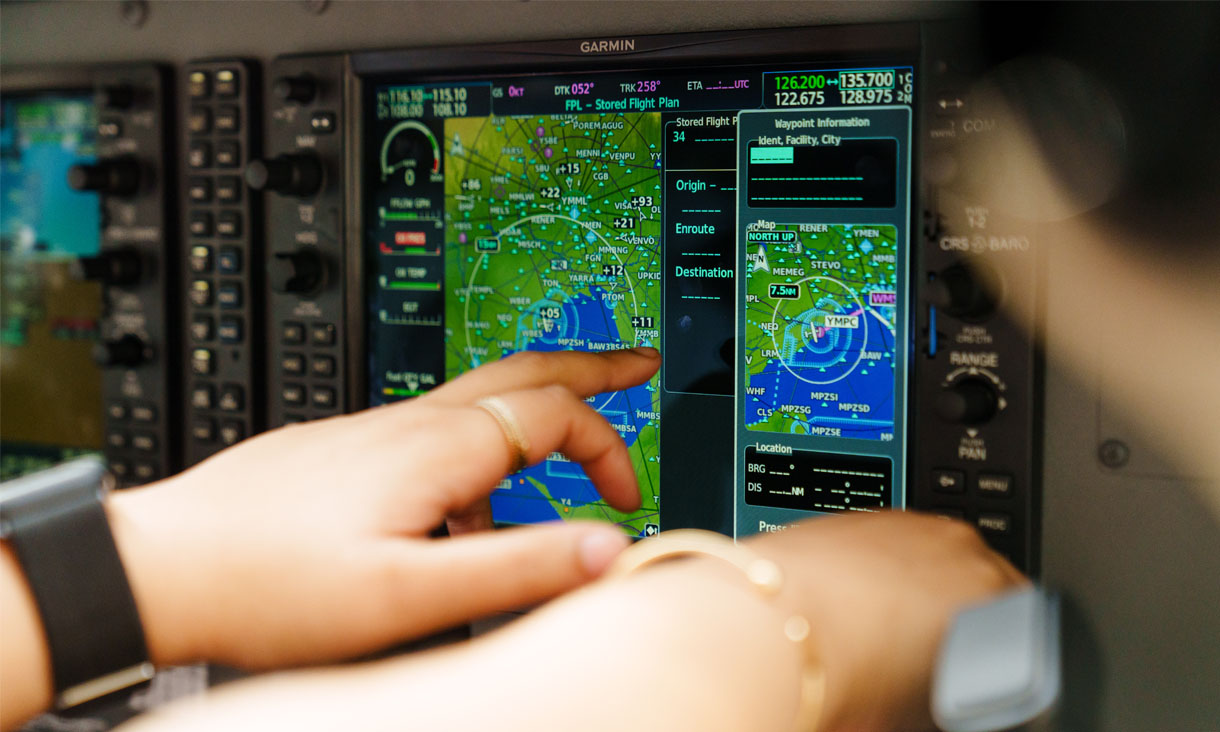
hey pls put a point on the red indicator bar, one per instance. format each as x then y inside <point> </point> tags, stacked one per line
<point>411,243</point>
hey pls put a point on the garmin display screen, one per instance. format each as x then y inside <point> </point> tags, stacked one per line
<point>603,210</point>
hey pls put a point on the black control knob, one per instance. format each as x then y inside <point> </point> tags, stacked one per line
<point>969,293</point>
<point>291,175</point>
<point>128,351</point>
<point>118,96</point>
<point>118,177</point>
<point>970,401</point>
<point>300,89</point>
<point>300,272</point>
<point>121,266</point>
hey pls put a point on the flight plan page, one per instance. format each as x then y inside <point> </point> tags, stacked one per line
<point>599,211</point>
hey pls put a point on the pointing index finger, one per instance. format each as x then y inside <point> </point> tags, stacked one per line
<point>581,372</point>
<point>551,419</point>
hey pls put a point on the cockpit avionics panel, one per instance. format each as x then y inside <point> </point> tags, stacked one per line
<point>750,203</point>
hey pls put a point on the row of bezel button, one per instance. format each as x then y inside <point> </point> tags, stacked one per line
<point>218,304</point>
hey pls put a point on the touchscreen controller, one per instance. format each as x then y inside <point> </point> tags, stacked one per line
<point>609,210</point>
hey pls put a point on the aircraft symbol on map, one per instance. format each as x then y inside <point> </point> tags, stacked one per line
<point>456,148</point>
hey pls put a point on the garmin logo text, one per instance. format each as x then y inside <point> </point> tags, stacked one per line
<point>621,44</point>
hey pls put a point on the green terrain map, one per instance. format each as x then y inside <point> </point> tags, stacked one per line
<point>552,243</point>
<point>820,323</point>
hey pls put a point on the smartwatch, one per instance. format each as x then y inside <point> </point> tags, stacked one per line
<point>57,527</point>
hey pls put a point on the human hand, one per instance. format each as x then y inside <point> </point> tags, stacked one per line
<point>880,590</point>
<point>309,543</point>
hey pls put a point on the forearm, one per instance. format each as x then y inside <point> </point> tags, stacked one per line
<point>688,646</point>
<point>25,665</point>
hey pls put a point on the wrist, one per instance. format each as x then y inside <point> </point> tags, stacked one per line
<point>166,581</point>
<point>863,691</point>
<point>727,638</point>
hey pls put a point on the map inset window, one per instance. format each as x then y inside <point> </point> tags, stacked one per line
<point>823,225</point>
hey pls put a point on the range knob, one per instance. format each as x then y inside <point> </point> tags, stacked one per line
<point>300,272</point>
<point>969,293</point>
<point>969,401</point>
<point>300,89</point>
<point>117,96</point>
<point>121,266</point>
<point>128,351</point>
<point>291,175</point>
<point>118,177</point>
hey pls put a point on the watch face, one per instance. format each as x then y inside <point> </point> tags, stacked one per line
<point>25,497</point>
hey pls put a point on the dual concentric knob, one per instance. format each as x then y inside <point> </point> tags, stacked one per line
<point>128,351</point>
<point>299,272</point>
<point>970,401</point>
<point>121,266</point>
<point>297,174</point>
<point>117,177</point>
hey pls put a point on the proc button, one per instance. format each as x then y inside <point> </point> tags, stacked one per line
<point>995,523</point>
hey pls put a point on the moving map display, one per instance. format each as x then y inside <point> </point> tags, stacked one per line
<point>603,210</point>
<point>551,244</point>
<point>821,318</point>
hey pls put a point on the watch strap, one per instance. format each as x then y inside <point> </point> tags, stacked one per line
<point>60,533</point>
